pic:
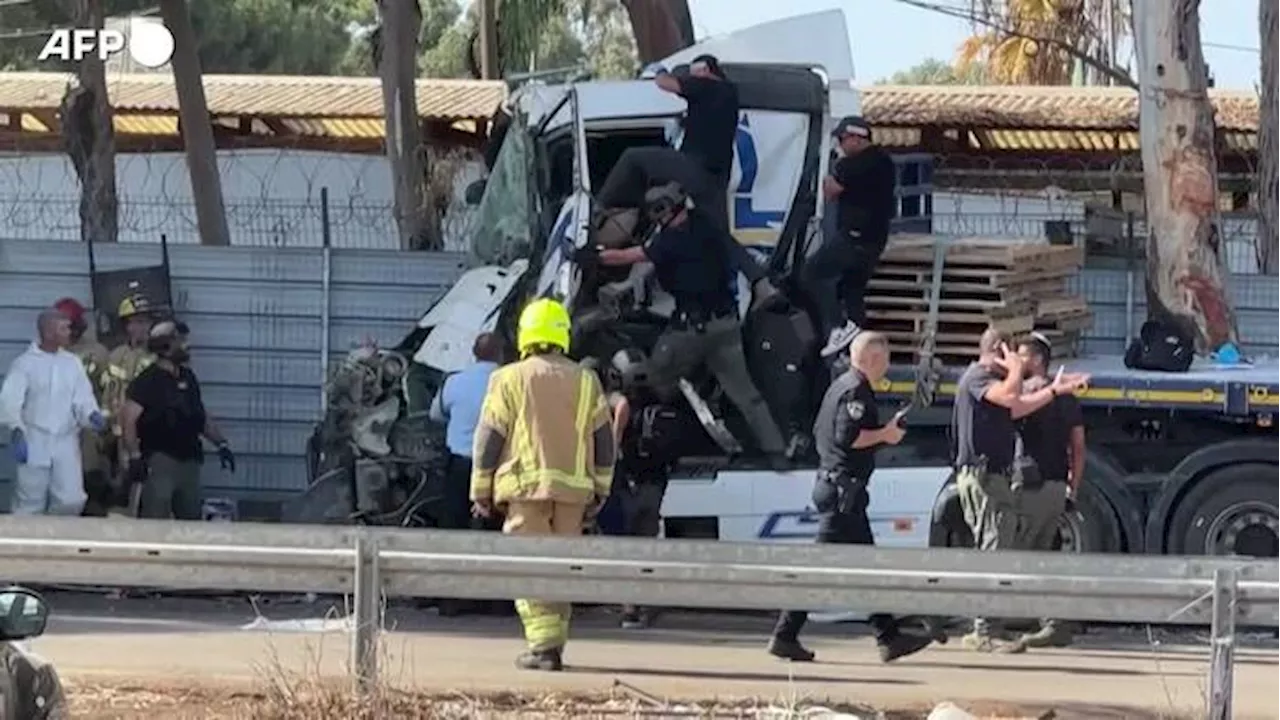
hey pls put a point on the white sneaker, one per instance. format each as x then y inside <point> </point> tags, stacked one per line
<point>840,338</point>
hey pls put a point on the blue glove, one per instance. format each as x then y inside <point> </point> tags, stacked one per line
<point>18,447</point>
<point>97,421</point>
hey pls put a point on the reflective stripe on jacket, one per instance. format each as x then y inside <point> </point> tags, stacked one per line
<point>548,410</point>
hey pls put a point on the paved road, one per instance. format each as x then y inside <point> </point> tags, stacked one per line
<point>689,655</point>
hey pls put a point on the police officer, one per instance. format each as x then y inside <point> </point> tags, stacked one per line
<point>694,268</point>
<point>847,433</point>
<point>1054,438</point>
<point>93,453</point>
<point>989,399</point>
<point>862,184</point>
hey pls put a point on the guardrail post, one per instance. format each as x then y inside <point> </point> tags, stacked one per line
<point>367,602</point>
<point>1223,639</point>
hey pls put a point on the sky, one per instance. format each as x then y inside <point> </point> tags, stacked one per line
<point>888,36</point>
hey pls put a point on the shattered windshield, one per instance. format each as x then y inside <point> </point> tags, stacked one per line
<point>503,219</point>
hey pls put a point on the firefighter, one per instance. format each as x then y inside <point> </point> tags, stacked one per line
<point>93,444</point>
<point>125,363</point>
<point>543,456</point>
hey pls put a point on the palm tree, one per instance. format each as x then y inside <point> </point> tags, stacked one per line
<point>1043,42</point>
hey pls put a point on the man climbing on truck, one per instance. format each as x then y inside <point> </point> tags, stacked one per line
<point>710,126</point>
<point>692,266</point>
<point>862,185</point>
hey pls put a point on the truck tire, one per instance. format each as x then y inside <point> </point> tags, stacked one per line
<point>1096,529</point>
<point>1229,511</point>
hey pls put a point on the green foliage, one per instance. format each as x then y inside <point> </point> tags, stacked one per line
<point>326,37</point>
<point>936,72</point>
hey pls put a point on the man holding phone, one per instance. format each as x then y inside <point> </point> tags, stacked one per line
<point>990,399</point>
<point>847,433</point>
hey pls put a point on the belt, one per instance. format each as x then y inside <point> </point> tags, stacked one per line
<point>691,318</point>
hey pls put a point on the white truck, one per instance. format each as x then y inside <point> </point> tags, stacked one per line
<point>1178,463</point>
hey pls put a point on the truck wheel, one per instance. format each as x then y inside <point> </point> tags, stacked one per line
<point>1094,528</point>
<point>1230,511</point>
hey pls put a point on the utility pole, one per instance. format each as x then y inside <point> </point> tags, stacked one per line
<point>397,66</point>
<point>195,126</point>
<point>1186,274</point>
<point>489,67</point>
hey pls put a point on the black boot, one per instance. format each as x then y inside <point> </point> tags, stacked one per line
<point>899,645</point>
<point>545,660</point>
<point>790,650</point>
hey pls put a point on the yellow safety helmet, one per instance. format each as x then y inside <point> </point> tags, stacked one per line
<point>543,322</point>
<point>133,305</point>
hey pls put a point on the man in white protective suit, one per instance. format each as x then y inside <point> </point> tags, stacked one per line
<point>45,402</point>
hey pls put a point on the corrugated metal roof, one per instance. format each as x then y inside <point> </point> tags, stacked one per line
<point>261,95</point>
<point>1027,108</point>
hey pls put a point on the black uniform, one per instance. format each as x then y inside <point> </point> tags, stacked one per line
<point>694,268</point>
<point>838,272</point>
<point>710,128</point>
<point>840,492</point>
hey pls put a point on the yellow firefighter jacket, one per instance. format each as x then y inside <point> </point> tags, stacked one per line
<point>545,433</point>
<point>124,364</point>
<point>93,356</point>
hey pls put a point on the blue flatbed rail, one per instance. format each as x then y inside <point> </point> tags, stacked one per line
<point>1245,391</point>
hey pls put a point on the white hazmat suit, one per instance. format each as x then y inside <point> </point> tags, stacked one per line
<point>48,397</point>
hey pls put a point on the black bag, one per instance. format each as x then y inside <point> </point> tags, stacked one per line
<point>1160,347</point>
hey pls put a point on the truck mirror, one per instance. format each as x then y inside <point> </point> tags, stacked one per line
<point>474,192</point>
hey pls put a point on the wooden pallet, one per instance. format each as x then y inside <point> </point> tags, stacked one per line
<point>957,349</point>
<point>979,252</point>
<point>963,289</point>
<point>949,323</point>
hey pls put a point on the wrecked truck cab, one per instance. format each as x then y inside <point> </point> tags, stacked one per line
<point>538,211</point>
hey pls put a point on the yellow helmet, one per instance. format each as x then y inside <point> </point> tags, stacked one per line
<point>133,305</point>
<point>543,322</point>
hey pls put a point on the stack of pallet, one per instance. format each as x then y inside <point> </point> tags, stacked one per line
<point>1015,285</point>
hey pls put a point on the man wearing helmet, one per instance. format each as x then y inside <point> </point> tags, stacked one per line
<point>543,455</point>
<point>695,270</point>
<point>125,362</point>
<point>93,444</point>
<point>163,421</point>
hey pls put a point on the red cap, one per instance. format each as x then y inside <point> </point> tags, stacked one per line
<point>71,308</point>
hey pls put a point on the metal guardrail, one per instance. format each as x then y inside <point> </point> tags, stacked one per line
<point>370,563</point>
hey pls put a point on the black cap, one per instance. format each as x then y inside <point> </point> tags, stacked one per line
<point>852,125</point>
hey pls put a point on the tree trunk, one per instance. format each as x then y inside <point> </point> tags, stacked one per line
<point>397,66</point>
<point>89,136</point>
<point>1186,275</point>
<point>1268,143</point>
<point>661,27</point>
<point>195,126</point>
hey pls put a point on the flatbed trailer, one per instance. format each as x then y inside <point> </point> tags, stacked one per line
<point>1247,391</point>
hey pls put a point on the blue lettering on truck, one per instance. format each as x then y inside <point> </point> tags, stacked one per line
<point>789,525</point>
<point>745,214</point>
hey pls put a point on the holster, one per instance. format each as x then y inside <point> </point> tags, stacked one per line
<point>839,493</point>
<point>1025,474</point>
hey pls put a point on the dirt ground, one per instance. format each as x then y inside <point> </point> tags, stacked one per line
<point>123,700</point>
